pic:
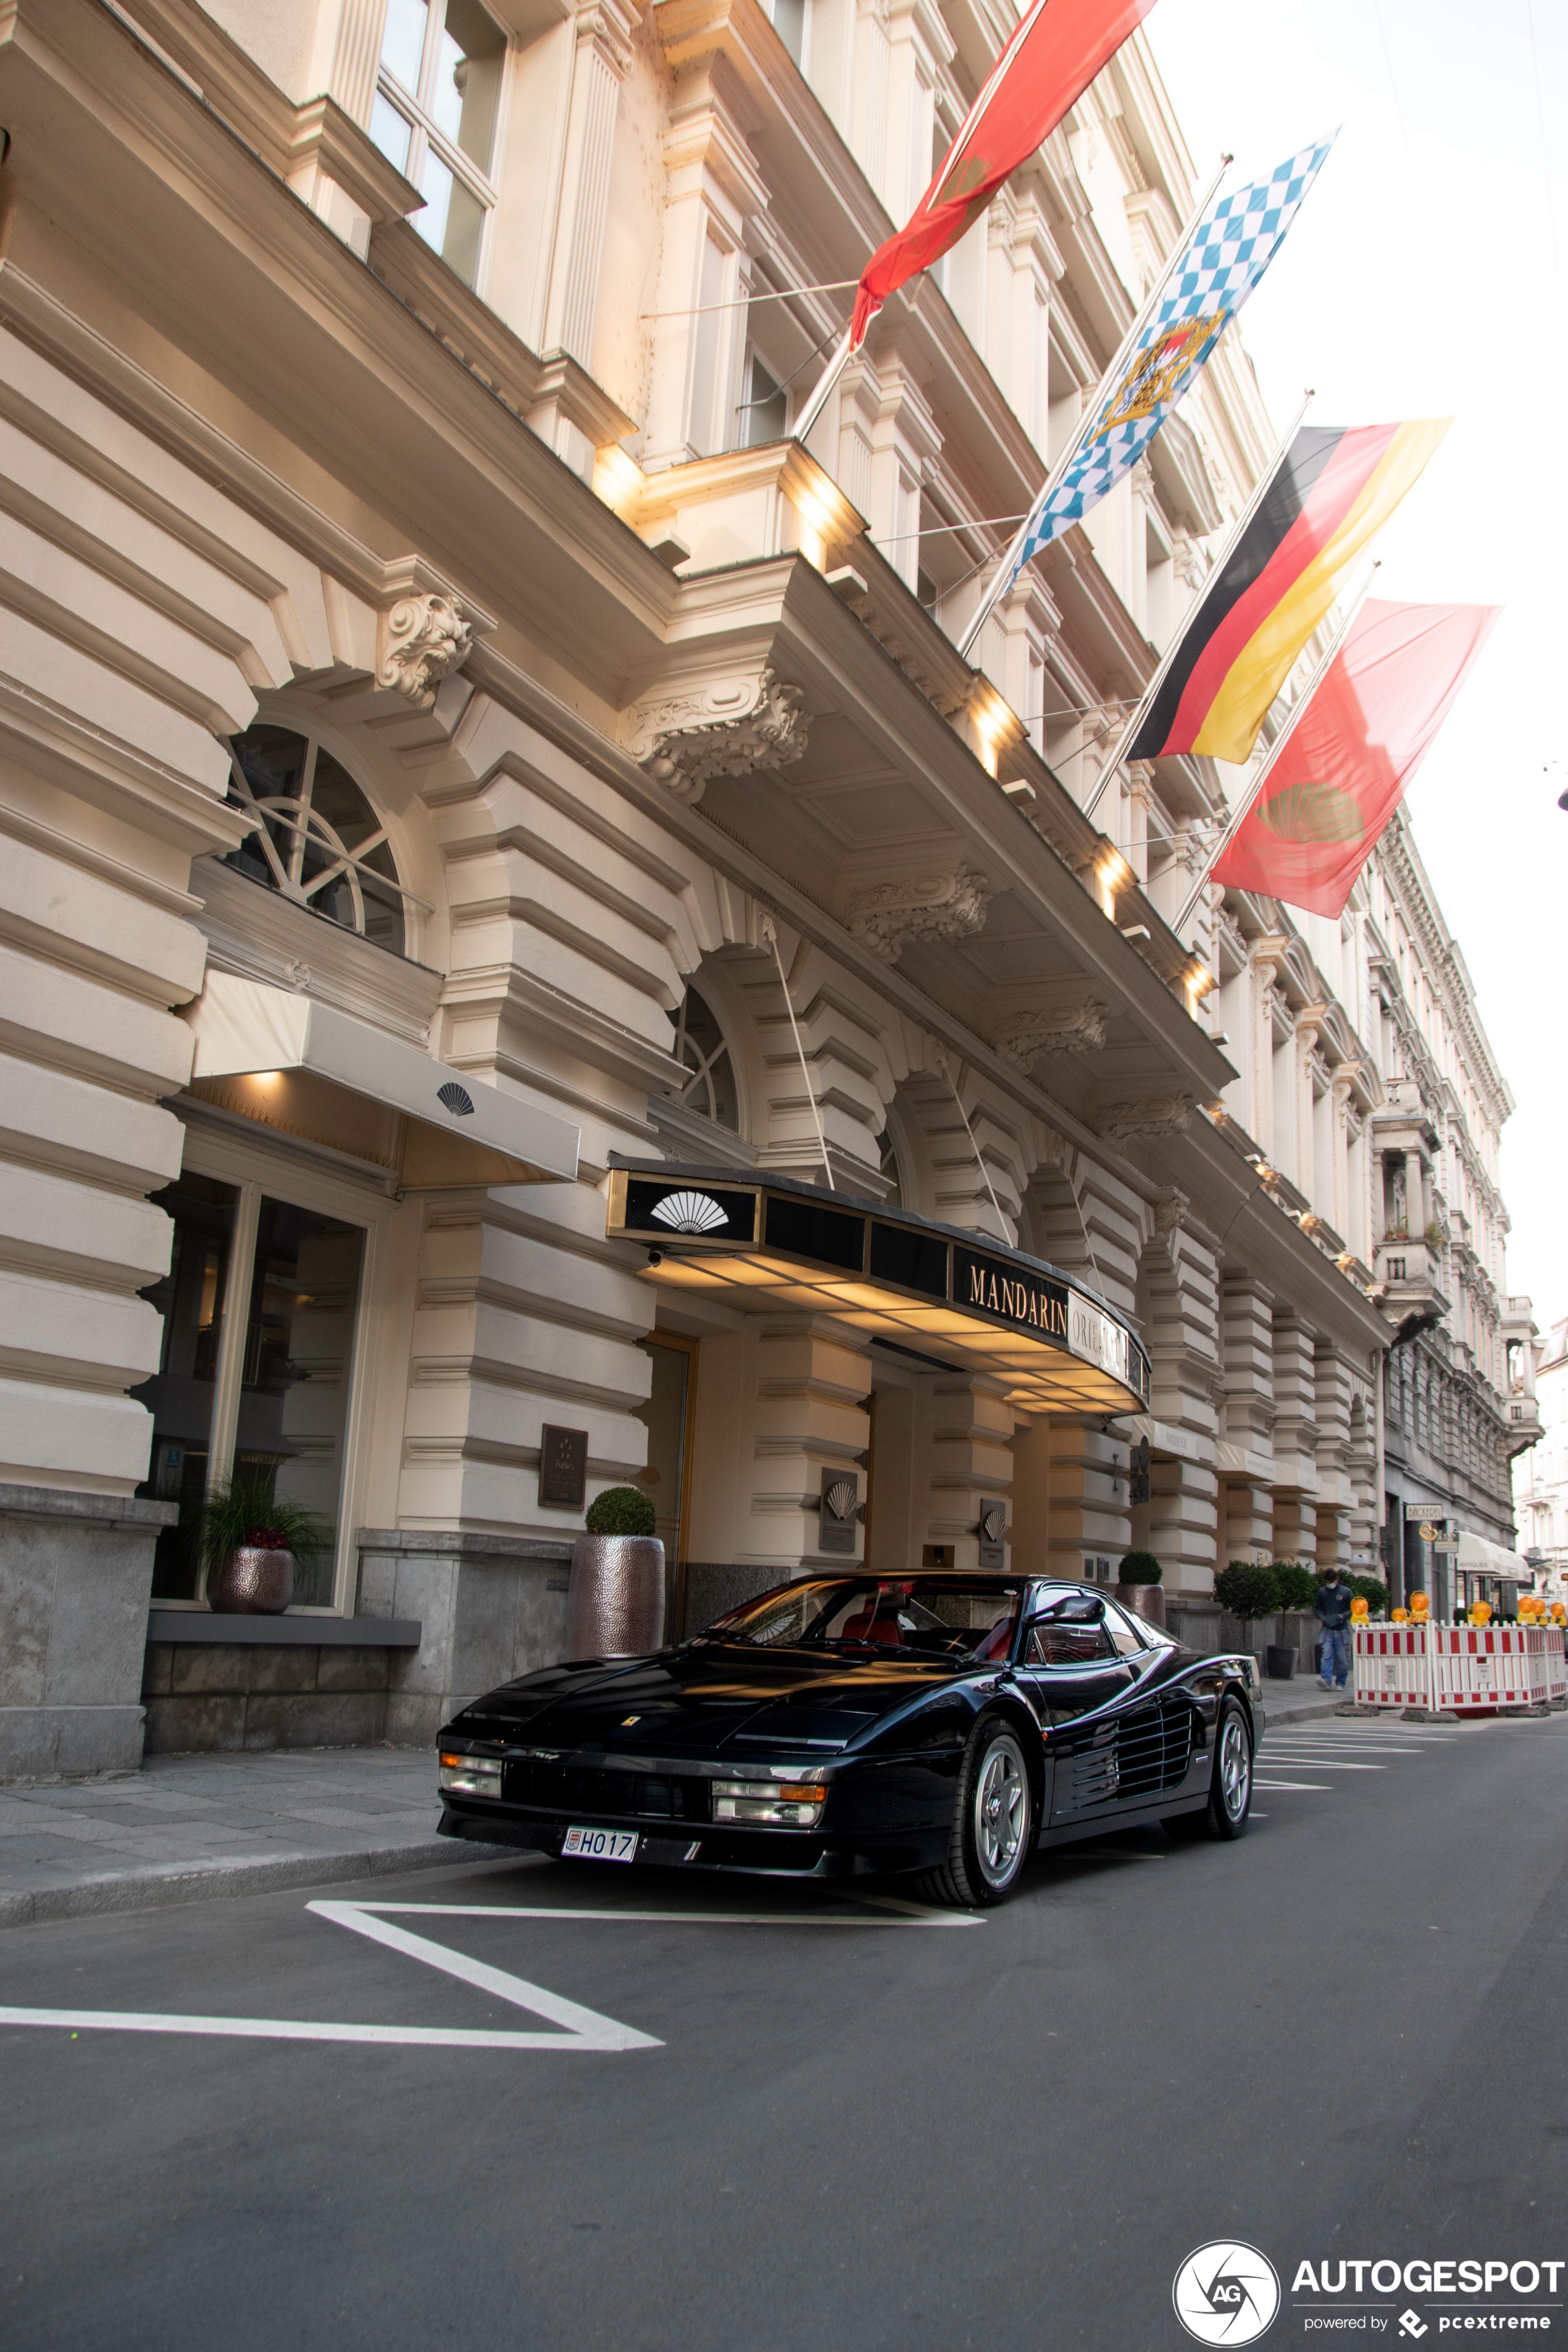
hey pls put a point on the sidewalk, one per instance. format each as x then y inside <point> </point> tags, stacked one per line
<point>187,1828</point>
<point>1303,1699</point>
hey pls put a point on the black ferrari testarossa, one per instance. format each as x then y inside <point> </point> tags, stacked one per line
<point>939,1725</point>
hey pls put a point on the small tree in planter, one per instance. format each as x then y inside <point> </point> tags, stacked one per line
<point>621,1511</point>
<point>1298,1585</point>
<point>1138,1581</point>
<point>253,1544</point>
<point>616,1600</point>
<point>1375,1595</point>
<point>1248,1589</point>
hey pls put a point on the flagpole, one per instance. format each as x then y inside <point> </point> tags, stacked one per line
<point>825,383</point>
<point>1002,578</point>
<point>1248,800</point>
<point>1130,732</point>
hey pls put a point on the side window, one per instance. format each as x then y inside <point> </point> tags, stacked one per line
<point>1124,1634</point>
<point>1052,1642</point>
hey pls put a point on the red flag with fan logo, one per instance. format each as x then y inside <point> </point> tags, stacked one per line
<point>1056,50</point>
<point>1344,769</point>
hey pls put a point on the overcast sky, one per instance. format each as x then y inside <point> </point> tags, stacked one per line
<point>1425,276</point>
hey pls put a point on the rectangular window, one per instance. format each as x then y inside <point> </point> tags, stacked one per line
<point>765,416</point>
<point>789,23</point>
<point>436,102</point>
<point>262,1397</point>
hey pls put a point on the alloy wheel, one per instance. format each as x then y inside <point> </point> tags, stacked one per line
<point>1235,1767</point>
<point>1001,1810</point>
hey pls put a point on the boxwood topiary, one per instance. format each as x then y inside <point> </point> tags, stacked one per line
<point>1298,1585</point>
<point>1247,1590</point>
<point>621,1511</point>
<point>1140,1567</point>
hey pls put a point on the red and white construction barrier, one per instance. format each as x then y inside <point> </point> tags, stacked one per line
<point>1467,1668</point>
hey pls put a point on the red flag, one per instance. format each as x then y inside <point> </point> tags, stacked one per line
<point>1056,49</point>
<point>1339,779</point>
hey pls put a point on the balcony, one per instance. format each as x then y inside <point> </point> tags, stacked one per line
<point>1522,1414</point>
<point>1411,1273</point>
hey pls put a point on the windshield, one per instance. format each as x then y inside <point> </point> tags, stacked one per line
<point>938,1616</point>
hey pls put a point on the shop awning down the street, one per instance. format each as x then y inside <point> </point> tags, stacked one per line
<point>293,1062</point>
<point>951,1297</point>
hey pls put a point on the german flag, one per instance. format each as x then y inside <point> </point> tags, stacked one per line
<point>1333,490</point>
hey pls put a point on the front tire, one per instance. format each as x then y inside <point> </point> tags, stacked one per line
<point>1230,1788</point>
<point>993,1821</point>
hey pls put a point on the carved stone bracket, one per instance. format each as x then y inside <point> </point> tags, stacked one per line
<point>887,915</point>
<point>1077,1028</point>
<point>730,727</point>
<point>421,640</point>
<point>1151,1115</point>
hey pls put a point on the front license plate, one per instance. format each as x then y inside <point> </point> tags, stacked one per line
<point>601,1845</point>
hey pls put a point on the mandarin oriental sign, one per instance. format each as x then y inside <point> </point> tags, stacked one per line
<point>917,1286</point>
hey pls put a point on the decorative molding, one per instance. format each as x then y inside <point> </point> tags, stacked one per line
<point>732,727</point>
<point>420,641</point>
<point>1171,1214</point>
<point>1148,1115</point>
<point>886,916</point>
<point>1077,1028</point>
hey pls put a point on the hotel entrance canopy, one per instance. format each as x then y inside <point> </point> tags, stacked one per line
<point>769,1245</point>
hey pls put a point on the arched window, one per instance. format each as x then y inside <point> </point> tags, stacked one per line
<point>887,1161</point>
<point>700,1047</point>
<point>315,837</point>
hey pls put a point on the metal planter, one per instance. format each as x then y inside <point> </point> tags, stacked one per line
<point>616,1600</point>
<point>253,1581</point>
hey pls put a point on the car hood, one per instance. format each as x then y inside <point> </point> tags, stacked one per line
<point>711,1699</point>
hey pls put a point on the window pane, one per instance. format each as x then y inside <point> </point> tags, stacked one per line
<point>767,406</point>
<point>403,43</point>
<point>298,1351</point>
<point>789,18</point>
<point>190,1298</point>
<point>391,131</point>
<point>468,80</point>
<point>451,220</point>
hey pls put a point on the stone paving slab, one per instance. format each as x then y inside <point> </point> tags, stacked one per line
<point>189,1828</point>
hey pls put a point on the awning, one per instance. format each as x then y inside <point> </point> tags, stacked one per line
<point>1479,1555</point>
<point>312,1071</point>
<point>943,1293</point>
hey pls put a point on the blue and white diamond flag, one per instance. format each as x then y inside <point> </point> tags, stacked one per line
<point>1233,245</point>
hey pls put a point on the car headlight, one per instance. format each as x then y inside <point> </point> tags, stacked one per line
<point>797,1804</point>
<point>470,1776</point>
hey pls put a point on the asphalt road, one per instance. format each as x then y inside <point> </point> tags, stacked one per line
<point>821,2122</point>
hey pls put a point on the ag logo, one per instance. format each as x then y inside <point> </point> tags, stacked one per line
<point>1227,2293</point>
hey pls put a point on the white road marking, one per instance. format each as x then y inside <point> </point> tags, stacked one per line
<point>923,1917</point>
<point>1323,1763</point>
<point>1318,1788</point>
<point>578,2027</point>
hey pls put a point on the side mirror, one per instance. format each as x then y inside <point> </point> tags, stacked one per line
<point>1073,1609</point>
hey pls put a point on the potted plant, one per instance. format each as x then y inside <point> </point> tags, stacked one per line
<point>1248,1589</point>
<point>1138,1581</point>
<point>1298,1590</point>
<point>252,1544</point>
<point>616,1600</point>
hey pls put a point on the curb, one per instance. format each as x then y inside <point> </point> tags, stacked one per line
<point>161,1890</point>
<point>1306,1712</point>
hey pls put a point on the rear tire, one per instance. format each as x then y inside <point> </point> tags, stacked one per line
<point>1230,1789</point>
<point>992,1828</point>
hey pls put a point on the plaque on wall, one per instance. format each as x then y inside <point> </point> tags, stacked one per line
<point>563,1467</point>
<point>992,1532</point>
<point>840,1503</point>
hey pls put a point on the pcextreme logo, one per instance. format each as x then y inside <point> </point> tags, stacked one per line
<point>1227,2293</point>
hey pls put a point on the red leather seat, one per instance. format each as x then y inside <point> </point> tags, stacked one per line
<point>876,1624</point>
<point>999,1640</point>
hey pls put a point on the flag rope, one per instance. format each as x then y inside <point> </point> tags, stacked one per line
<point>1092,413</point>
<point>1178,638</point>
<point>1248,800</point>
<point>770,933</point>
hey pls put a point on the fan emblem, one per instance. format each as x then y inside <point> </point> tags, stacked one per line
<point>841,1498</point>
<point>457,1099</point>
<point>690,1213</point>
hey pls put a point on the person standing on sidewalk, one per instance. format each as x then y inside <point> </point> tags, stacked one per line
<point>1332,1607</point>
